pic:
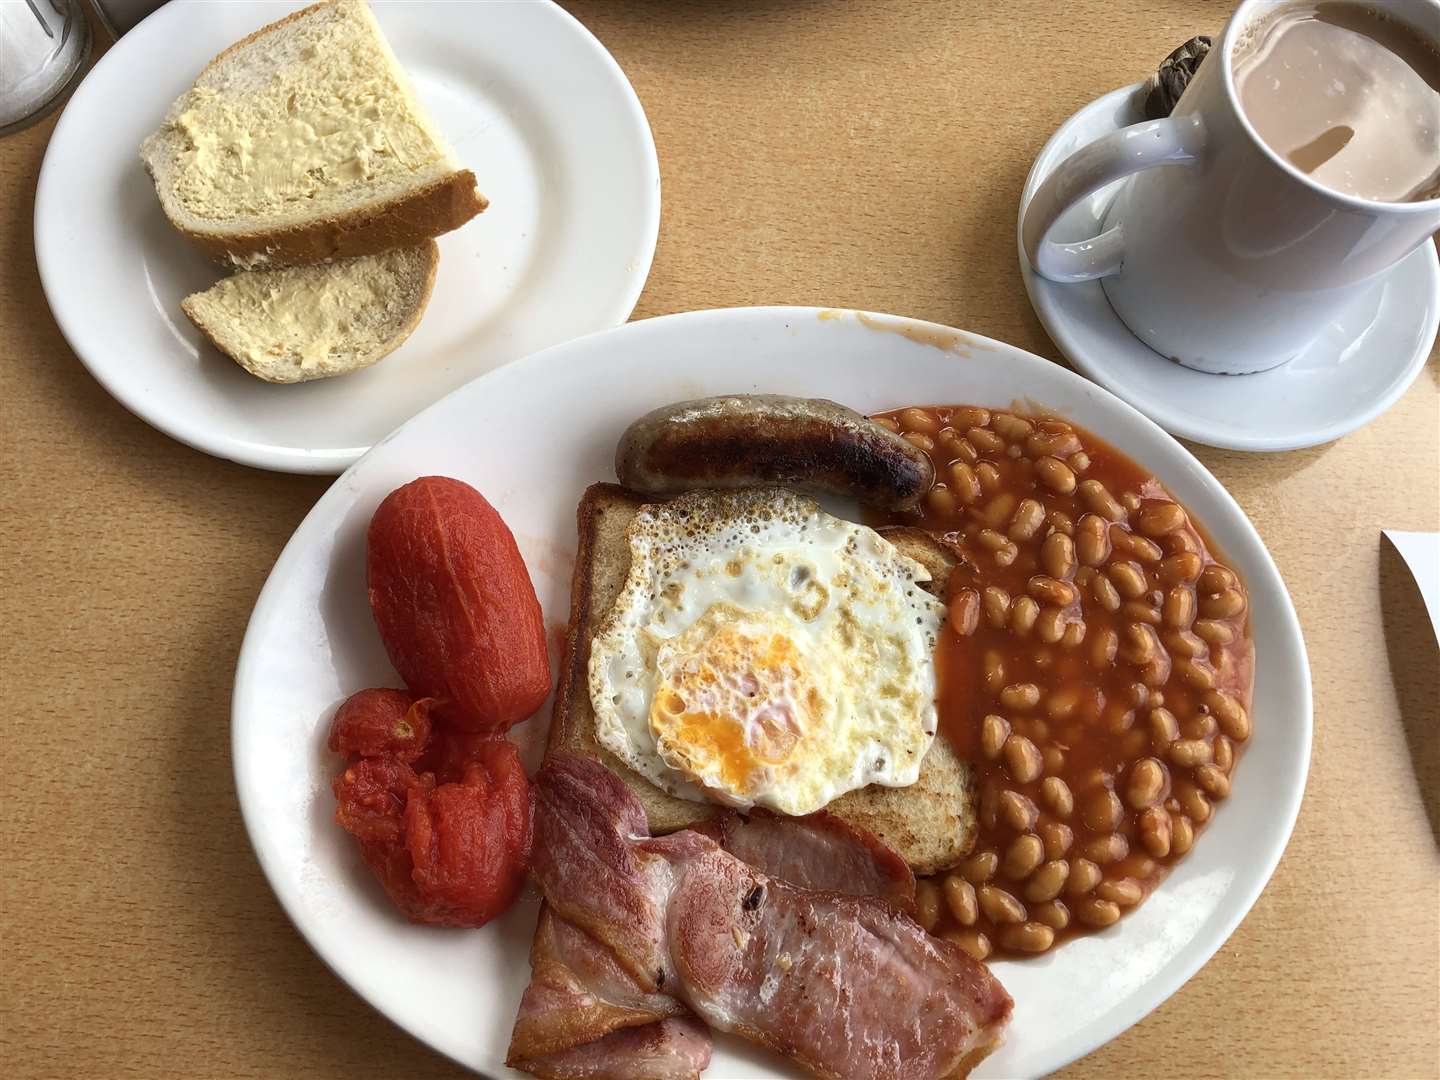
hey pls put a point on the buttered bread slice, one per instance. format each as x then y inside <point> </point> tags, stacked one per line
<point>311,322</point>
<point>305,142</point>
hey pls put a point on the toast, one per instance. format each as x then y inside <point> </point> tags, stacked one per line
<point>312,322</point>
<point>305,142</point>
<point>930,824</point>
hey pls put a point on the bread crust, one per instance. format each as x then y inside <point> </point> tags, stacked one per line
<point>268,28</point>
<point>569,731</point>
<point>411,219</point>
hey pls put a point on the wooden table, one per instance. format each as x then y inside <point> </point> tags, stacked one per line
<point>841,153</point>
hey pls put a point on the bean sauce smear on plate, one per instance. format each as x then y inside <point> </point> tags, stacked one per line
<point>1095,669</point>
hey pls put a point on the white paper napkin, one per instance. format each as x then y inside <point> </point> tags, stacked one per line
<point>1421,552</point>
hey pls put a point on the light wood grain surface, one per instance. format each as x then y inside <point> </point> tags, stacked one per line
<point>842,153</point>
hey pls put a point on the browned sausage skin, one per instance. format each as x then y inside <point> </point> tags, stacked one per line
<point>742,440</point>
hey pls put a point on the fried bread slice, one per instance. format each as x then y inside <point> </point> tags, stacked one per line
<point>930,824</point>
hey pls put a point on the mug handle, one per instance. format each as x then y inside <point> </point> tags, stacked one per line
<point>1171,141</point>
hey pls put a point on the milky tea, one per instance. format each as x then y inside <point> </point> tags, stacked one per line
<point>1348,95</point>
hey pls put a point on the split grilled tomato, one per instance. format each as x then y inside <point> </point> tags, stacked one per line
<point>443,818</point>
<point>382,723</point>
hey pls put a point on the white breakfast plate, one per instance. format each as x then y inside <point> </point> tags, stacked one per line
<point>531,437</point>
<point>529,100</point>
<point>1366,357</point>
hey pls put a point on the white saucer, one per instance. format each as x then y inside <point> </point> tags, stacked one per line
<point>528,99</point>
<point>1366,358</point>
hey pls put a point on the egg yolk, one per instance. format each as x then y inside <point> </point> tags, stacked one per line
<point>733,703</point>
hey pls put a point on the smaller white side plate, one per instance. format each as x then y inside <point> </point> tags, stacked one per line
<point>528,99</point>
<point>1365,359</point>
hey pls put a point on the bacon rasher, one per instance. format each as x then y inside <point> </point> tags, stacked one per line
<point>847,986</point>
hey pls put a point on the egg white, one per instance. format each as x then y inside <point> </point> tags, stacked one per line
<point>760,565</point>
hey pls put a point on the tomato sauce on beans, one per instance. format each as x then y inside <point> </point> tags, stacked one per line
<point>1095,669</point>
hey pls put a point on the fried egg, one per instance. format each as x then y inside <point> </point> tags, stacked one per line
<point>765,653</point>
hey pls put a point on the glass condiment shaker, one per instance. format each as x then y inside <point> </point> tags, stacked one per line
<point>43,47</point>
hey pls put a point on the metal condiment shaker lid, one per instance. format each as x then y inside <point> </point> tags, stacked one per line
<point>43,46</point>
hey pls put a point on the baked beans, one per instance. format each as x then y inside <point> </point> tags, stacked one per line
<point>960,899</point>
<point>1053,913</point>
<point>999,906</point>
<point>1055,475</point>
<point>1031,937</point>
<point>1096,912</point>
<point>1057,837</point>
<point>1095,670</point>
<point>972,941</point>
<point>979,867</point>
<point>1018,811</point>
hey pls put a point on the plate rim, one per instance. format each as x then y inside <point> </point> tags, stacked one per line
<point>1099,1031</point>
<point>1179,423</point>
<point>299,460</point>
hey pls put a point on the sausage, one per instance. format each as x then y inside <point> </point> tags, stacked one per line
<point>744,440</point>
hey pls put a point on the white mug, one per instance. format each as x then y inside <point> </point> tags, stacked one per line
<point>1218,253</point>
